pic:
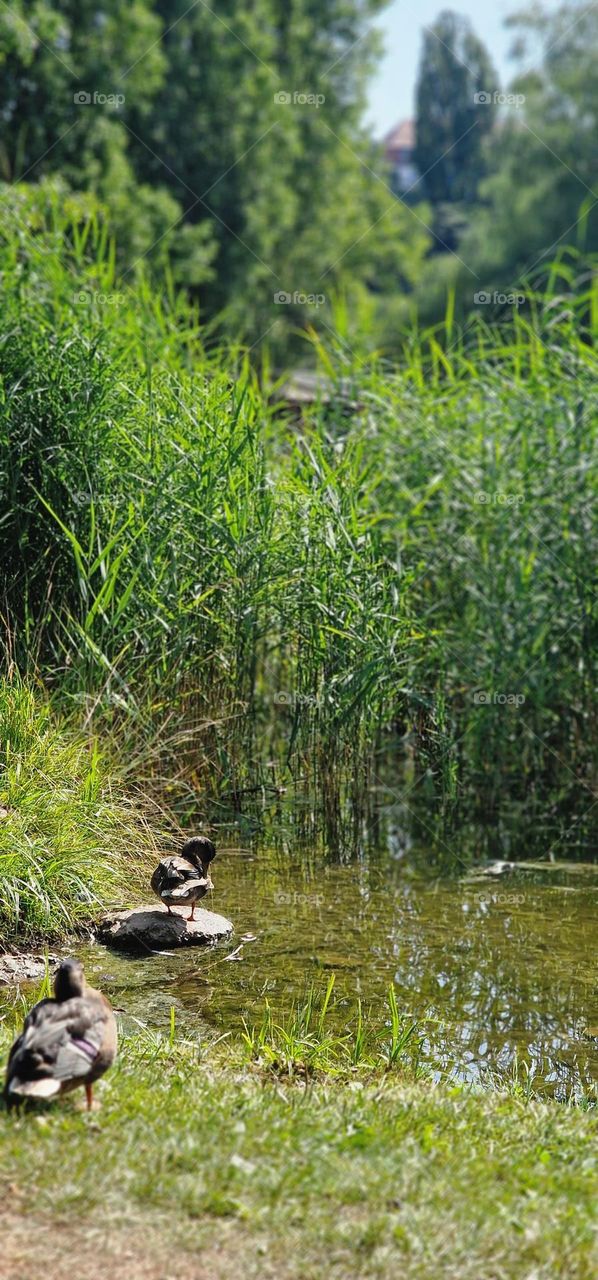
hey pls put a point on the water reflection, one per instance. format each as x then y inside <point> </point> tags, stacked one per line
<point>490,968</point>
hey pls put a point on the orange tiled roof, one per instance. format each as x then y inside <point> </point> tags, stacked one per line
<point>401,135</point>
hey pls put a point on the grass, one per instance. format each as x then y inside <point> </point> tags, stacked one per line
<point>244,599</point>
<point>303,1044</point>
<point>229,1171</point>
<point>71,841</point>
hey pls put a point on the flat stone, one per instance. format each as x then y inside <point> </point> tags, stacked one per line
<point>151,928</point>
<point>24,967</point>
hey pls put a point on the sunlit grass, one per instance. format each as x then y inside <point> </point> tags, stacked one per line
<point>306,1042</point>
<point>70,839</point>
<point>376,1176</point>
<point>243,598</point>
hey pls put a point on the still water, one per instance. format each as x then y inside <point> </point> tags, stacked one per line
<point>493,967</point>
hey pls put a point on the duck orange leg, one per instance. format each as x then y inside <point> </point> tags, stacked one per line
<point>192,916</point>
<point>89,1096</point>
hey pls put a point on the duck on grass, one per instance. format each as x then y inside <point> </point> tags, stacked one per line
<point>67,1041</point>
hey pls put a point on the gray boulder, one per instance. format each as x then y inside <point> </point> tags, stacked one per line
<point>153,929</point>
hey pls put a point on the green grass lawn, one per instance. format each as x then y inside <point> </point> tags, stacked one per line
<point>199,1165</point>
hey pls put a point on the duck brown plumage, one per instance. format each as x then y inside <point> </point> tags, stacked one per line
<point>185,877</point>
<point>66,1041</point>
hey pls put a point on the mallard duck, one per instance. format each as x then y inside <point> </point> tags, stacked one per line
<point>65,1042</point>
<point>185,877</point>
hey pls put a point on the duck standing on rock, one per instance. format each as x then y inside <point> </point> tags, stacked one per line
<point>65,1042</point>
<point>185,877</point>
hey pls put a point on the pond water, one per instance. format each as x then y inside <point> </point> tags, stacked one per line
<point>493,966</point>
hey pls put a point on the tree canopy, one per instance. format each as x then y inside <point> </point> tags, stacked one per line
<point>227,139</point>
<point>455,87</point>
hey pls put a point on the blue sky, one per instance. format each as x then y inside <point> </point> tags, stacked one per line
<point>391,94</point>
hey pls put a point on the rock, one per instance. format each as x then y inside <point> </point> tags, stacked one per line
<point>24,968</point>
<point>153,929</point>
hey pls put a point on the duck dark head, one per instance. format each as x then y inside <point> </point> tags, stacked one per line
<point>200,852</point>
<point>69,980</point>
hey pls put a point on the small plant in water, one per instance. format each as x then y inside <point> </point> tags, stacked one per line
<point>402,1032</point>
<point>310,1041</point>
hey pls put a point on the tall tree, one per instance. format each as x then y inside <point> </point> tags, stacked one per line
<point>543,194</point>
<point>453,115</point>
<point>70,73</point>
<point>259,135</point>
<point>235,144</point>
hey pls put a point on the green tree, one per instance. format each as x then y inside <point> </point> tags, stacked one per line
<point>543,195</point>
<point>69,71</point>
<point>451,121</point>
<point>225,137</point>
<point>259,134</point>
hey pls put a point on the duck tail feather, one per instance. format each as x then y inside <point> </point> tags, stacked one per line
<point>46,1088</point>
<point>185,888</point>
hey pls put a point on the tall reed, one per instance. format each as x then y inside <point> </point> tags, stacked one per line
<point>249,598</point>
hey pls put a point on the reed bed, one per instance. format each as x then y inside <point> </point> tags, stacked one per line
<point>242,597</point>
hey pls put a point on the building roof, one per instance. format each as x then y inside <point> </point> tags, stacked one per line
<point>401,135</point>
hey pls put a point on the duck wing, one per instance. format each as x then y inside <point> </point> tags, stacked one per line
<point>59,1043</point>
<point>175,876</point>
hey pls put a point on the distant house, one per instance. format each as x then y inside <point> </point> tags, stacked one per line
<point>399,150</point>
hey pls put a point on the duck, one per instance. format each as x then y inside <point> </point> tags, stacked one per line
<point>67,1041</point>
<point>185,877</point>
